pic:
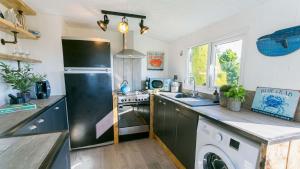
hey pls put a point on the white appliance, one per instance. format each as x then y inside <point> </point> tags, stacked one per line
<point>218,148</point>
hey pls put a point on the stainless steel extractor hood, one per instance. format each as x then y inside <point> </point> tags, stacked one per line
<point>129,53</point>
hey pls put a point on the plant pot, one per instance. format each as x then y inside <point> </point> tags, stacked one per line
<point>25,96</point>
<point>234,105</point>
<point>223,99</point>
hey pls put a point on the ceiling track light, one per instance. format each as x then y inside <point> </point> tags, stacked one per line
<point>123,25</point>
<point>103,23</point>
<point>144,29</point>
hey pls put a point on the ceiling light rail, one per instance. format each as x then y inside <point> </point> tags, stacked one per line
<point>123,25</point>
<point>123,14</point>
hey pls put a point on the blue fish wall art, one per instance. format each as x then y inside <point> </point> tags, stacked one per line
<point>280,43</point>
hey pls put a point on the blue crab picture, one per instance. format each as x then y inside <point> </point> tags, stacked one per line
<point>276,103</point>
<point>280,103</point>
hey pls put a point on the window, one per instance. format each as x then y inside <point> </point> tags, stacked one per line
<point>227,63</point>
<point>198,64</point>
<point>220,68</point>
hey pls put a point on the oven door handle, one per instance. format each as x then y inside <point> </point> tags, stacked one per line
<point>121,112</point>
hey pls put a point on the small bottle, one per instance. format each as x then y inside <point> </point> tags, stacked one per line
<point>216,96</point>
<point>147,84</point>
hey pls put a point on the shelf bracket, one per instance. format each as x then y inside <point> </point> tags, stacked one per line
<point>3,42</point>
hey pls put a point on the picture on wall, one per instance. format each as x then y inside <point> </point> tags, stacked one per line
<point>155,60</point>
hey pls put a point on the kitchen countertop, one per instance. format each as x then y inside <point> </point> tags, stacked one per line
<point>33,151</point>
<point>254,126</point>
<point>12,120</point>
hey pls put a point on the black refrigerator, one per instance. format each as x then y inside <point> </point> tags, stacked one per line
<point>88,82</point>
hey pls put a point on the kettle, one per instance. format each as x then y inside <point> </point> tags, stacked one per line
<point>124,87</point>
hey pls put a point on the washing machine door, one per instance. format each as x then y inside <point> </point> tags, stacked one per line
<point>211,157</point>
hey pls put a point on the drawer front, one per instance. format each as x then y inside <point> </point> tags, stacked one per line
<point>60,118</point>
<point>52,120</point>
<point>29,128</point>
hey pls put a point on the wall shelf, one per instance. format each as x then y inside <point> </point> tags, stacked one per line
<point>8,27</point>
<point>18,5</point>
<point>10,57</point>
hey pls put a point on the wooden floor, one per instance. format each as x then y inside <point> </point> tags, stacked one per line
<point>138,154</point>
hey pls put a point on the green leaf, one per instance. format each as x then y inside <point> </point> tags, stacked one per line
<point>22,79</point>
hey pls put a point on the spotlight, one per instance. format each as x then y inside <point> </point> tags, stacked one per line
<point>144,28</point>
<point>123,26</point>
<point>103,23</point>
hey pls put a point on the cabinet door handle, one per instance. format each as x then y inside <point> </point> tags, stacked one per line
<point>177,109</point>
<point>160,101</point>
<point>32,127</point>
<point>41,121</point>
<point>164,103</point>
<point>56,108</point>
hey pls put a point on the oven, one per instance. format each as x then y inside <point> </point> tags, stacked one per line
<point>134,116</point>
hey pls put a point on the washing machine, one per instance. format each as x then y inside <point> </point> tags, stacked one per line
<point>218,148</point>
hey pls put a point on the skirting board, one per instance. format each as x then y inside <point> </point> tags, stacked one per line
<point>177,163</point>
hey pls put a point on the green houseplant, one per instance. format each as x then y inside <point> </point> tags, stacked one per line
<point>21,80</point>
<point>223,98</point>
<point>236,95</point>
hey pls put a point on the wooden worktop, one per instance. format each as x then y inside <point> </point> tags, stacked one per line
<point>254,126</point>
<point>10,121</point>
<point>33,151</point>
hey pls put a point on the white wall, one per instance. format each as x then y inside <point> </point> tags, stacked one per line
<point>258,70</point>
<point>145,44</point>
<point>48,49</point>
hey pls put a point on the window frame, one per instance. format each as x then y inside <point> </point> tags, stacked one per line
<point>190,86</point>
<point>210,80</point>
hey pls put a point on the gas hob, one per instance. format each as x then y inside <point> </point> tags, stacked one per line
<point>133,97</point>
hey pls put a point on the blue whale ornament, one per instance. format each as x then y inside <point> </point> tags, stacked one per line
<point>280,43</point>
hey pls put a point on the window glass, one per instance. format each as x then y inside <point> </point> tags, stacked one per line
<point>227,63</point>
<point>217,69</point>
<point>198,64</point>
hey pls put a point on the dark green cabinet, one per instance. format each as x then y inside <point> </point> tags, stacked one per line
<point>159,117</point>
<point>51,120</point>
<point>170,125</point>
<point>185,144</point>
<point>176,126</point>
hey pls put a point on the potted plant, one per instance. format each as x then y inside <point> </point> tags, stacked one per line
<point>223,98</point>
<point>21,80</point>
<point>236,95</point>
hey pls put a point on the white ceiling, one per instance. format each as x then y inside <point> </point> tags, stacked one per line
<point>168,19</point>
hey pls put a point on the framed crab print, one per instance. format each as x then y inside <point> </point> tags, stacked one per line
<point>281,103</point>
<point>155,61</point>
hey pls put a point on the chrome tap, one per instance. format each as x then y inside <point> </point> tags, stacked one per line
<point>194,92</point>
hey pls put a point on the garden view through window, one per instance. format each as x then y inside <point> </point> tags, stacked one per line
<point>225,61</point>
<point>198,64</point>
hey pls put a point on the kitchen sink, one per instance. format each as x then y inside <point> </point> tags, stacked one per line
<point>190,100</point>
<point>182,95</point>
